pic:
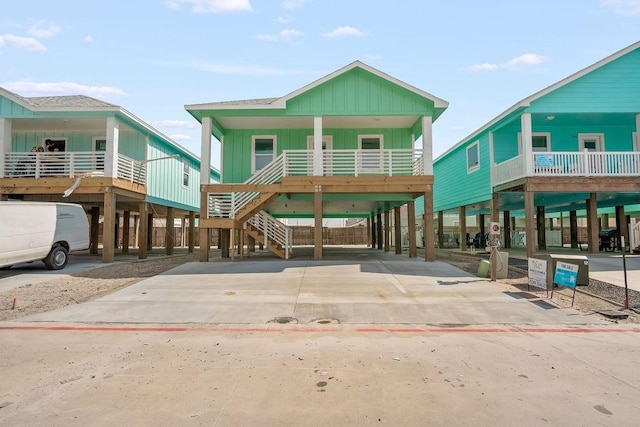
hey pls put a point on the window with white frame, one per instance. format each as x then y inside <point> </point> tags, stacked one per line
<point>473,157</point>
<point>263,148</point>
<point>540,142</point>
<point>371,147</point>
<point>99,146</point>
<point>185,173</point>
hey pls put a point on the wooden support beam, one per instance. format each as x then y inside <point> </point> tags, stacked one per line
<point>369,235</point>
<point>192,231</point>
<point>506,228</point>
<point>143,229</point>
<point>317,230</point>
<point>109,214</point>
<point>573,229</point>
<point>203,230</point>
<point>427,227</point>
<point>411,214</point>
<point>621,225</point>
<point>495,217</point>
<point>592,222</point>
<point>150,231</point>
<point>94,230</point>
<point>225,239</point>
<point>169,232</point>
<point>481,228</point>
<point>125,231</point>
<point>540,226</point>
<point>387,230</point>
<point>530,228</point>
<point>379,231</point>
<point>116,230</point>
<point>373,231</point>
<point>440,229</point>
<point>397,230</point>
<point>462,219</point>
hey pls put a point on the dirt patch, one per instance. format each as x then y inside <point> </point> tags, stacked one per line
<point>82,286</point>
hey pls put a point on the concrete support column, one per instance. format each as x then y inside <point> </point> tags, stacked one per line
<point>411,213</point>
<point>125,231</point>
<point>592,223</point>
<point>440,229</point>
<point>427,226</point>
<point>540,220</point>
<point>109,215</point>
<point>94,233</point>
<point>143,228</point>
<point>169,232</point>
<point>462,218</point>
<point>192,231</point>
<point>317,230</point>
<point>397,230</point>
<point>529,209</point>
<point>506,228</point>
<point>387,230</point>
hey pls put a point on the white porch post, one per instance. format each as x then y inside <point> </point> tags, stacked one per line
<point>111,151</point>
<point>221,156</point>
<point>527,135</point>
<point>5,142</point>
<point>637,132</point>
<point>205,150</point>
<point>427,144</point>
<point>317,147</point>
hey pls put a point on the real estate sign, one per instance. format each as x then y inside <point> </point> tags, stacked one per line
<point>566,275</point>
<point>538,273</point>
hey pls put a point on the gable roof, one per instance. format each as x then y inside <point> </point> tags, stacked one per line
<point>281,103</point>
<point>526,102</point>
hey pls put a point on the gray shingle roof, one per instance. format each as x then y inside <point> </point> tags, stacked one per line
<point>70,101</point>
<point>260,101</point>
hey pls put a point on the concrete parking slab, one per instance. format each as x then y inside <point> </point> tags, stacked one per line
<point>383,290</point>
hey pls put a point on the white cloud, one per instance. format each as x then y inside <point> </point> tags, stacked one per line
<point>223,68</point>
<point>176,124</point>
<point>457,127</point>
<point>88,39</point>
<point>623,7</point>
<point>284,35</point>
<point>180,137</point>
<point>344,31</point>
<point>294,4</point>
<point>211,6</point>
<point>28,43</point>
<point>282,19</point>
<point>63,88</point>
<point>40,29</point>
<point>515,64</point>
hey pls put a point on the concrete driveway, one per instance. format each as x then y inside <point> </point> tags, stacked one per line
<point>385,289</point>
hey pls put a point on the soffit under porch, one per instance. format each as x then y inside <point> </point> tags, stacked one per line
<point>306,122</point>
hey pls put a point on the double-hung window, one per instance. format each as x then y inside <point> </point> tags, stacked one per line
<point>263,148</point>
<point>185,173</point>
<point>473,157</point>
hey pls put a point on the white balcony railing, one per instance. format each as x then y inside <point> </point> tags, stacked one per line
<point>585,163</point>
<point>69,164</point>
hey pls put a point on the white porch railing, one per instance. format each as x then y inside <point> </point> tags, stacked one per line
<point>69,164</point>
<point>274,230</point>
<point>634,236</point>
<point>586,163</point>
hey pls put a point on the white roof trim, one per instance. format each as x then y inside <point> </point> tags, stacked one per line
<point>526,102</point>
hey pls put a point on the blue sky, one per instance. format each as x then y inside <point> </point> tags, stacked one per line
<point>154,56</point>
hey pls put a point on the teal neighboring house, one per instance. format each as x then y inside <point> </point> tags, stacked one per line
<point>83,150</point>
<point>342,146</point>
<point>570,148</point>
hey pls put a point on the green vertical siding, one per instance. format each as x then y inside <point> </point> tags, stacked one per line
<point>614,87</point>
<point>358,92</point>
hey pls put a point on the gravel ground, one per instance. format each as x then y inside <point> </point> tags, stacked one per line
<point>94,283</point>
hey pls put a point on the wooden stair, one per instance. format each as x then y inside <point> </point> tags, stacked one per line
<point>272,245</point>
<point>255,206</point>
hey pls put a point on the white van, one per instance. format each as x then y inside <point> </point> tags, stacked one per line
<point>41,231</point>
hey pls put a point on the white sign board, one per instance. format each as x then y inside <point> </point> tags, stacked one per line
<point>538,273</point>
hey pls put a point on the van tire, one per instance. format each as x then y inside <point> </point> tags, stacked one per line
<point>57,258</point>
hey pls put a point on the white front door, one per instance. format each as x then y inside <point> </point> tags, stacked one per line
<point>327,145</point>
<point>593,143</point>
